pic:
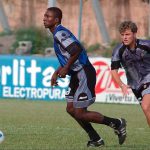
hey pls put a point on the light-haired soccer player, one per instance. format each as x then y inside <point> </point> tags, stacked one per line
<point>81,92</point>
<point>134,56</point>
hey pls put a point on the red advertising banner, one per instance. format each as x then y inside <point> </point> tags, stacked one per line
<point>107,90</point>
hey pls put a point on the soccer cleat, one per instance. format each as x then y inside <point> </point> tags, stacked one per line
<point>98,143</point>
<point>121,131</point>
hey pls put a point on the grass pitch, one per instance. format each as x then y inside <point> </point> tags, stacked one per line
<point>39,125</point>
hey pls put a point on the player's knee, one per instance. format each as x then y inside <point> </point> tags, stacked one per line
<point>70,110</point>
<point>79,116</point>
<point>145,108</point>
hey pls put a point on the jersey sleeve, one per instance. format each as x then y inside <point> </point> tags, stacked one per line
<point>64,38</point>
<point>116,60</point>
<point>145,44</point>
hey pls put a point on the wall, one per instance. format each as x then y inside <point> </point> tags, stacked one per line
<point>23,13</point>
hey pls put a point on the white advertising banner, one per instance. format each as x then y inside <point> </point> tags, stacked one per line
<point>107,90</point>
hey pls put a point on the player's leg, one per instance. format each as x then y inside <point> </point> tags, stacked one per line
<point>119,125</point>
<point>96,117</point>
<point>85,96</point>
<point>146,107</point>
<point>93,135</point>
<point>145,103</point>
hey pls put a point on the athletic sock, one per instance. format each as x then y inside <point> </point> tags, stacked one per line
<point>93,135</point>
<point>112,122</point>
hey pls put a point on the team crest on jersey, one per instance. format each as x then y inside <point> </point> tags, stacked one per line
<point>143,53</point>
<point>65,36</point>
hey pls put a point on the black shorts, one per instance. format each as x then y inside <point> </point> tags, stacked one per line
<point>81,90</point>
<point>137,94</point>
<point>143,90</point>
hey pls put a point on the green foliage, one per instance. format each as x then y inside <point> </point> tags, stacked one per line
<point>37,36</point>
<point>102,50</point>
<point>3,33</point>
<point>93,47</point>
<point>113,43</point>
<point>108,50</point>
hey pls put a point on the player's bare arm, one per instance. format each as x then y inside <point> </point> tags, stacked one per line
<point>55,76</point>
<point>123,86</point>
<point>74,51</point>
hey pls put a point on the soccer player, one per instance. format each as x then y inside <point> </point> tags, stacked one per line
<point>81,92</point>
<point>134,56</point>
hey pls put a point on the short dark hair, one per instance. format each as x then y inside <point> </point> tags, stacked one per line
<point>128,25</point>
<point>57,12</point>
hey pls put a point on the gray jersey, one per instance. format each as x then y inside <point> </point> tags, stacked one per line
<point>136,62</point>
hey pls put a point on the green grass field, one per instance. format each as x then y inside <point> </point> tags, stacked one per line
<point>39,125</point>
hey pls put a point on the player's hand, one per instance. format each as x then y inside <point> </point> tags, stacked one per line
<point>54,79</point>
<point>125,89</point>
<point>63,72</point>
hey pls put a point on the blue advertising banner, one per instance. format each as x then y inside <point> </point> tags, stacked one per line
<point>28,77</point>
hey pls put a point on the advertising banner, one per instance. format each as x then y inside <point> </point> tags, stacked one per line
<point>107,90</point>
<point>28,77</point>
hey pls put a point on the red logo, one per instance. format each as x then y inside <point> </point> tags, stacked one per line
<point>104,77</point>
